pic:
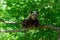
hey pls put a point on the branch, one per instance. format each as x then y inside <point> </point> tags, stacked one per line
<point>9,22</point>
<point>17,30</point>
<point>47,26</point>
<point>55,28</point>
<point>52,27</point>
<point>24,29</point>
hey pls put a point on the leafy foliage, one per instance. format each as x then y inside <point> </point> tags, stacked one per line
<point>17,10</point>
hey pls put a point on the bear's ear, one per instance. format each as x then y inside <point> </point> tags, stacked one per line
<point>31,11</point>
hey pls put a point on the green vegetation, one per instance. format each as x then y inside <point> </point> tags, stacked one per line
<point>17,10</point>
